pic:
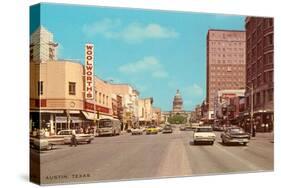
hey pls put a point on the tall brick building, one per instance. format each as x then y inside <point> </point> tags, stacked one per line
<point>225,63</point>
<point>259,69</point>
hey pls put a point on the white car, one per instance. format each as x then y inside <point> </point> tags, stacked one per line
<point>40,143</point>
<point>66,134</point>
<point>204,134</point>
<point>136,131</point>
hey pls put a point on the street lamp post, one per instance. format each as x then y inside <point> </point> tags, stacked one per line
<point>252,109</point>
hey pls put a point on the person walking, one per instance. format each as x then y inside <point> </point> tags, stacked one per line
<point>73,139</point>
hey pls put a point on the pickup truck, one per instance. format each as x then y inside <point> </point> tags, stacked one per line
<point>81,138</point>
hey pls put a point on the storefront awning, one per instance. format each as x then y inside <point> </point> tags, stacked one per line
<point>104,116</point>
<point>89,115</point>
<point>74,111</point>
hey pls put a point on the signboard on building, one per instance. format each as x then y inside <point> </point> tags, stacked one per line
<point>228,95</point>
<point>89,71</point>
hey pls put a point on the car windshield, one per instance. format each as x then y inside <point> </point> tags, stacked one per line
<point>236,131</point>
<point>103,124</point>
<point>204,129</point>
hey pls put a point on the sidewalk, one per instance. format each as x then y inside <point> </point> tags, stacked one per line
<point>265,136</point>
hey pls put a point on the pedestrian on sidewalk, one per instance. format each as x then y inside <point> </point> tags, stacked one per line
<point>73,140</point>
<point>254,130</point>
<point>266,127</point>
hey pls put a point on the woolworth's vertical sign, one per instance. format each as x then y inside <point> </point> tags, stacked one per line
<point>89,71</point>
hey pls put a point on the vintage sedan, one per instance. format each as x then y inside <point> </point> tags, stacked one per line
<point>136,131</point>
<point>81,138</point>
<point>151,130</point>
<point>167,129</point>
<point>235,135</point>
<point>40,142</point>
<point>204,134</point>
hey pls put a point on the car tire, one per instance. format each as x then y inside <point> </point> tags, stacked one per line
<point>245,144</point>
<point>195,142</point>
<point>212,142</point>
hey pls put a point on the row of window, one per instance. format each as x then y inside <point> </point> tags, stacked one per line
<point>258,67</point>
<point>227,43</point>
<point>241,55</point>
<point>267,41</point>
<point>229,68</point>
<point>217,80</point>
<point>223,61</point>
<point>259,24</point>
<point>260,98</point>
<point>225,74</point>
<point>266,77</point>
<point>99,97</point>
<point>225,84</point>
<point>71,88</point>
<point>226,49</point>
<point>232,36</point>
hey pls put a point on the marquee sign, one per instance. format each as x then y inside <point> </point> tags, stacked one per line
<point>89,71</point>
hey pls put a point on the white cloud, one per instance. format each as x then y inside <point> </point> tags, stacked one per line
<point>160,74</point>
<point>194,90</point>
<point>102,27</point>
<point>149,65</point>
<point>131,33</point>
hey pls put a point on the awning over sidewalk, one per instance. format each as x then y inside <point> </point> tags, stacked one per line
<point>74,111</point>
<point>104,116</point>
<point>89,115</point>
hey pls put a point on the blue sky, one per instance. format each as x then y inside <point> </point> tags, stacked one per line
<point>157,52</point>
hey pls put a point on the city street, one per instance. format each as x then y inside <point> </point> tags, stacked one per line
<point>148,156</point>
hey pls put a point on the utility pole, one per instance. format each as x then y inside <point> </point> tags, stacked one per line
<point>252,110</point>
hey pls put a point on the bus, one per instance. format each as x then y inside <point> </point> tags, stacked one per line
<point>108,126</point>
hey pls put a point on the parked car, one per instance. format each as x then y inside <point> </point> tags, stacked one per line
<point>183,128</point>
<point>160,128</point>
<point>167,129</point>
<point>40,142</point>
<point>136,131</point>
<point>204,134</point>
<point>235,135</point>
<point>81,138</point>
<point>218,128</point>
<point>151,130</point>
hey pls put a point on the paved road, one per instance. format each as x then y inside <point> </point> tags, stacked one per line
<point>147,156</point>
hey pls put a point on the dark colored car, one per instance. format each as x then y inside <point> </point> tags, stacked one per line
<point>167,129</point>
<point>218,128</point>
<point>235,135</point>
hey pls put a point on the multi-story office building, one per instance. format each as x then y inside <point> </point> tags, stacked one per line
<point>225,63</point>
<point>129,102</point>
<point>259,69</point>
<point>198,113</point>
<point>156,116</point>
<point>145,110</point>
<point>42,45</point>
